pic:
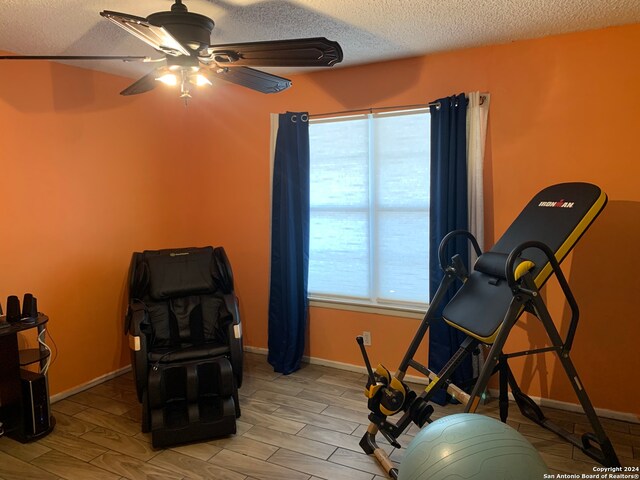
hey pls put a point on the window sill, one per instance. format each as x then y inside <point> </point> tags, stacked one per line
<point>355,306</point>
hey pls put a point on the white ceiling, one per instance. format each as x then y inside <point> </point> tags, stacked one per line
<point>368,30</point>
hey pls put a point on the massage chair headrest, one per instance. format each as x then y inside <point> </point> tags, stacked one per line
<point>179,272</point>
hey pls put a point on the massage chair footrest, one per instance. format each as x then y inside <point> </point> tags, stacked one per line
<point>192,401</point>
<point>182,431</point>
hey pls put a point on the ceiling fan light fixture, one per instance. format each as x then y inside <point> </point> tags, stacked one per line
<point>200,80</point>
<point>168,79</point>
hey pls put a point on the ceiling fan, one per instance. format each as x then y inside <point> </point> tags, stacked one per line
<point>183,37</point>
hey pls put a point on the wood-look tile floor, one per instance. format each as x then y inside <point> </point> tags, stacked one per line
<point>304,426</point>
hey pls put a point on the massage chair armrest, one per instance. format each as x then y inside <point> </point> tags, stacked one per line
<point>136,317</point>
<point>235,336</point>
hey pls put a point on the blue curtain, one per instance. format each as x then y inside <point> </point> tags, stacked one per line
<point>289,243</point>
<point>448,212</point>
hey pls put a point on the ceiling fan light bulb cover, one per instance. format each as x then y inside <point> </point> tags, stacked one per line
<point>201,80</point>
<point>168,79</point>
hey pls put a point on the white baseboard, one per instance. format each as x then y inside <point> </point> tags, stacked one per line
<point>544,402</point>
<point>259,350</point>
<point>92,383</point>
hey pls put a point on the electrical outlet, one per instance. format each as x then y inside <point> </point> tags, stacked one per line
<point>366,336</point>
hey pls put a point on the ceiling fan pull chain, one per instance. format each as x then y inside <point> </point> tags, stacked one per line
<point>184,87</point>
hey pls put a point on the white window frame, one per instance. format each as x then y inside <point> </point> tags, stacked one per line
<point>396,308</point>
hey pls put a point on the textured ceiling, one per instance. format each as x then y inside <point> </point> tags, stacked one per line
<point>368,30</point>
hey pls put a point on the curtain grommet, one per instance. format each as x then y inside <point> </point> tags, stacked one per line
<point>304,117</point>
<point>294,118</point>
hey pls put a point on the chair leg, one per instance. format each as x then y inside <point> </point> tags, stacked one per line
<point>236,400</point>
<point>603,452</point>
<point>146,416</point>
<point>494,355</point>
<point>503,372</point>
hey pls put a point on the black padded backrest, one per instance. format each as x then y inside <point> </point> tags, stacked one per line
<point>188,320</point>
<point>222,270</point>
<point>557,216</point>
<point>183,292</point>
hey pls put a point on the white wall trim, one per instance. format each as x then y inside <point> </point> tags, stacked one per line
<point>353,306</point>
<point>91,383</point>
<point>544,402</point>
<point>258,350</point>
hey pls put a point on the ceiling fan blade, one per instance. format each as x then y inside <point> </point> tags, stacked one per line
<point>300,52</point>
<point>128,58</point>
<point>142,85</point>
<point>158,37</point>
<point>248,77</point>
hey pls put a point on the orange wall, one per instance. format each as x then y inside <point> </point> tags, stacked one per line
<point>108,175</point>
<point>563,108</point>
<point>87,178</point>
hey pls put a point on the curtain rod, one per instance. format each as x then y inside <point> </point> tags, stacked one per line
<point>378,109</point>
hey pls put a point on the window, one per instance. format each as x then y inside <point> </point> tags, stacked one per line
<point>370,208</point>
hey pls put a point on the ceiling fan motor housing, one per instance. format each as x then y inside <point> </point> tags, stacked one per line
<point>190,29</point>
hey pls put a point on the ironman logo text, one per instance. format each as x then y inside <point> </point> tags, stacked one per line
<point>558,204</point>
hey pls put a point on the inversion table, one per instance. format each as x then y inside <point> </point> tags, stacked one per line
<point>505,283</point>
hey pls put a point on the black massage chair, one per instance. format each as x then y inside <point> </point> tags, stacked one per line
<point>185,337</point>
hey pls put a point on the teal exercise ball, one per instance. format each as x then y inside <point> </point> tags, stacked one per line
<point>470,446</point>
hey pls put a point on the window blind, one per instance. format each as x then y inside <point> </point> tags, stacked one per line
<point>370,208</point>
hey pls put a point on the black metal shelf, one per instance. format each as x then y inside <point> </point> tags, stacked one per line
<point>32,355</point>
<point>21,421</point>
